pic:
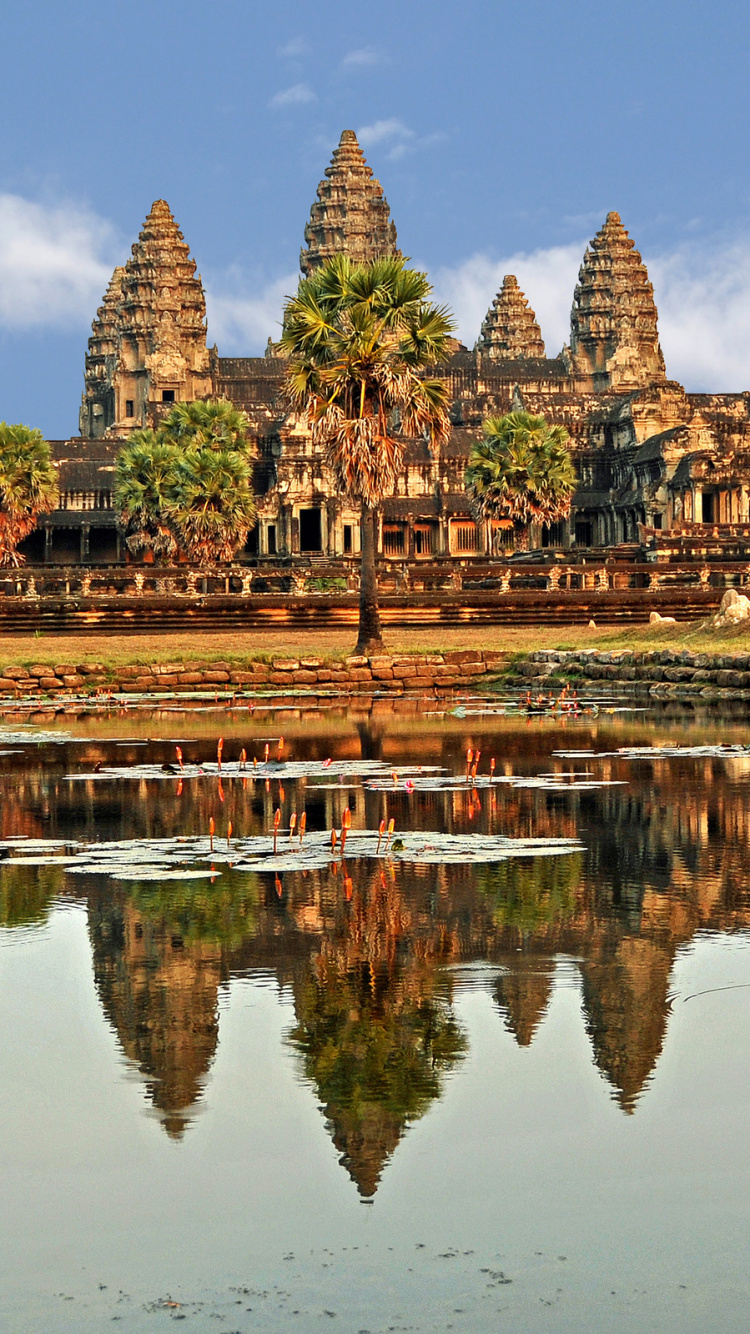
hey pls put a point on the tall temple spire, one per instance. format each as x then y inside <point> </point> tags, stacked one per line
<point>351,214</point>
<point>510,328</point>
<point>148,343</point>
<point>614,336</point>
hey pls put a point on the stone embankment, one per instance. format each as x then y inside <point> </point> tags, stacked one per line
<point>661,672</point>
<point>399,673</point>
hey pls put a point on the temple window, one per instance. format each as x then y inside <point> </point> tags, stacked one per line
<point>271,537</point>
<point>584,533</point>
<point>167,395</point>
<point>347,539</point>
<point>423,539</point>
<point>464,537</point>
<point>129,407</point>
<point>658,518</point>
<point>553,534</point>
<point>394,539</point>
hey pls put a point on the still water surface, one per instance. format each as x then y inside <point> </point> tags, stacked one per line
<point>390,1096</point>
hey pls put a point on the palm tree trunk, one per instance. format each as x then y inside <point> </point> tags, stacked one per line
<point>370,638</point>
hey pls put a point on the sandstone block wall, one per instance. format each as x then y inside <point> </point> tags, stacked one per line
<point>400,673</point>
<point>657,672</point>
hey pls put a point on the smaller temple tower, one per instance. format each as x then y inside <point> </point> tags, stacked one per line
<point>510,329</point>
<point>148,342</point>
<point>614,338</point>
<point>351,214</point>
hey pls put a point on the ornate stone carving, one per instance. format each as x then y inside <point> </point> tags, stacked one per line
<point>613,324</point>
<point>148,343</point>
<point>351,214</point>
<point>510,328</point>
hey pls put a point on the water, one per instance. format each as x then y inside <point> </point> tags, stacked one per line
<point>394,1096</point>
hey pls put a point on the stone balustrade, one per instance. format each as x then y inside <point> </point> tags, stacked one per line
<point>342,579</point>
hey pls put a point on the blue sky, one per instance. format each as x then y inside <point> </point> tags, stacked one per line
<point>502,133</point>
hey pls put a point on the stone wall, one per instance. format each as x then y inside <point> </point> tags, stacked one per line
<point>435,674</point>
<point>657,672</point>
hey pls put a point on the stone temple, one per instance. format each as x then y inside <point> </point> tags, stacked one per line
<point>654,462</point>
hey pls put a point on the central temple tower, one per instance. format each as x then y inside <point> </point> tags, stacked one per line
<point>350,215</point>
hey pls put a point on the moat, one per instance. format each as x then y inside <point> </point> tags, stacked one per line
<point>488,1074</point>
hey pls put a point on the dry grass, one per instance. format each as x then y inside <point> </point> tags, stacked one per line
<point>120,650</point>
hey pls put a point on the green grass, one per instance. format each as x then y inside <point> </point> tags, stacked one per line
<point>121,650</point>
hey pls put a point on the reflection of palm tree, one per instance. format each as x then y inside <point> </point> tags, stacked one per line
<point>224,912</point>
<point>26,893</point>
<point>375,1046</point>
<point>534,892</point>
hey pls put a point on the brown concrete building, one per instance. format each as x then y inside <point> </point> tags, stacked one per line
<point>655,463</point>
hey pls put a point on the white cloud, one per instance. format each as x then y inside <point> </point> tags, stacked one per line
<point>55,263</point>
<point>702,294</point>
<point>546,276</point>
<point>294,48</point>
<point>358,59</point>
<point>297,95</point>
<point>382,131</point>
<point>242,324</point>
<point>703,297</point>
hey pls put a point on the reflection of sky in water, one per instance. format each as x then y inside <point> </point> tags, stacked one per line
<point>584,1093</point>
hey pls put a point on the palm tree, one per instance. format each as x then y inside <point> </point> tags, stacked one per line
<point>211,506</point>
<point>144,481</point>
<point>212,423</point>
<point>28,486</point>
<point>359,339</point>
<point>521,470</point>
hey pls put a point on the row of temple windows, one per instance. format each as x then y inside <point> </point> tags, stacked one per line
<point>167,396</point>
<point>85,500</point>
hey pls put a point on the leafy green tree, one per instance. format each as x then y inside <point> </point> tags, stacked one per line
<point>28,486</point>
<point>144,483</point>
<point>359,340</point>
<point>188,486</point>
<point>207,423</point>
<point>521,469</point>
<point>211,506</point>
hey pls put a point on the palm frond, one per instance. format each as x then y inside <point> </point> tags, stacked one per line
<point>359,338</point>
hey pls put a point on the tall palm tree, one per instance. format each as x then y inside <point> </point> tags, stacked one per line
<point>207,423</point>
<point>28,486</point>
<point>144,481</point>
<point>359,339</point>
<point>211,506</point>
<point>521,470</point>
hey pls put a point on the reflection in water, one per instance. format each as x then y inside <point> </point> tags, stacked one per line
<point>161,998</point>
<point>374,1047</point>
<point>363,951</point>
<point>26,893</point>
